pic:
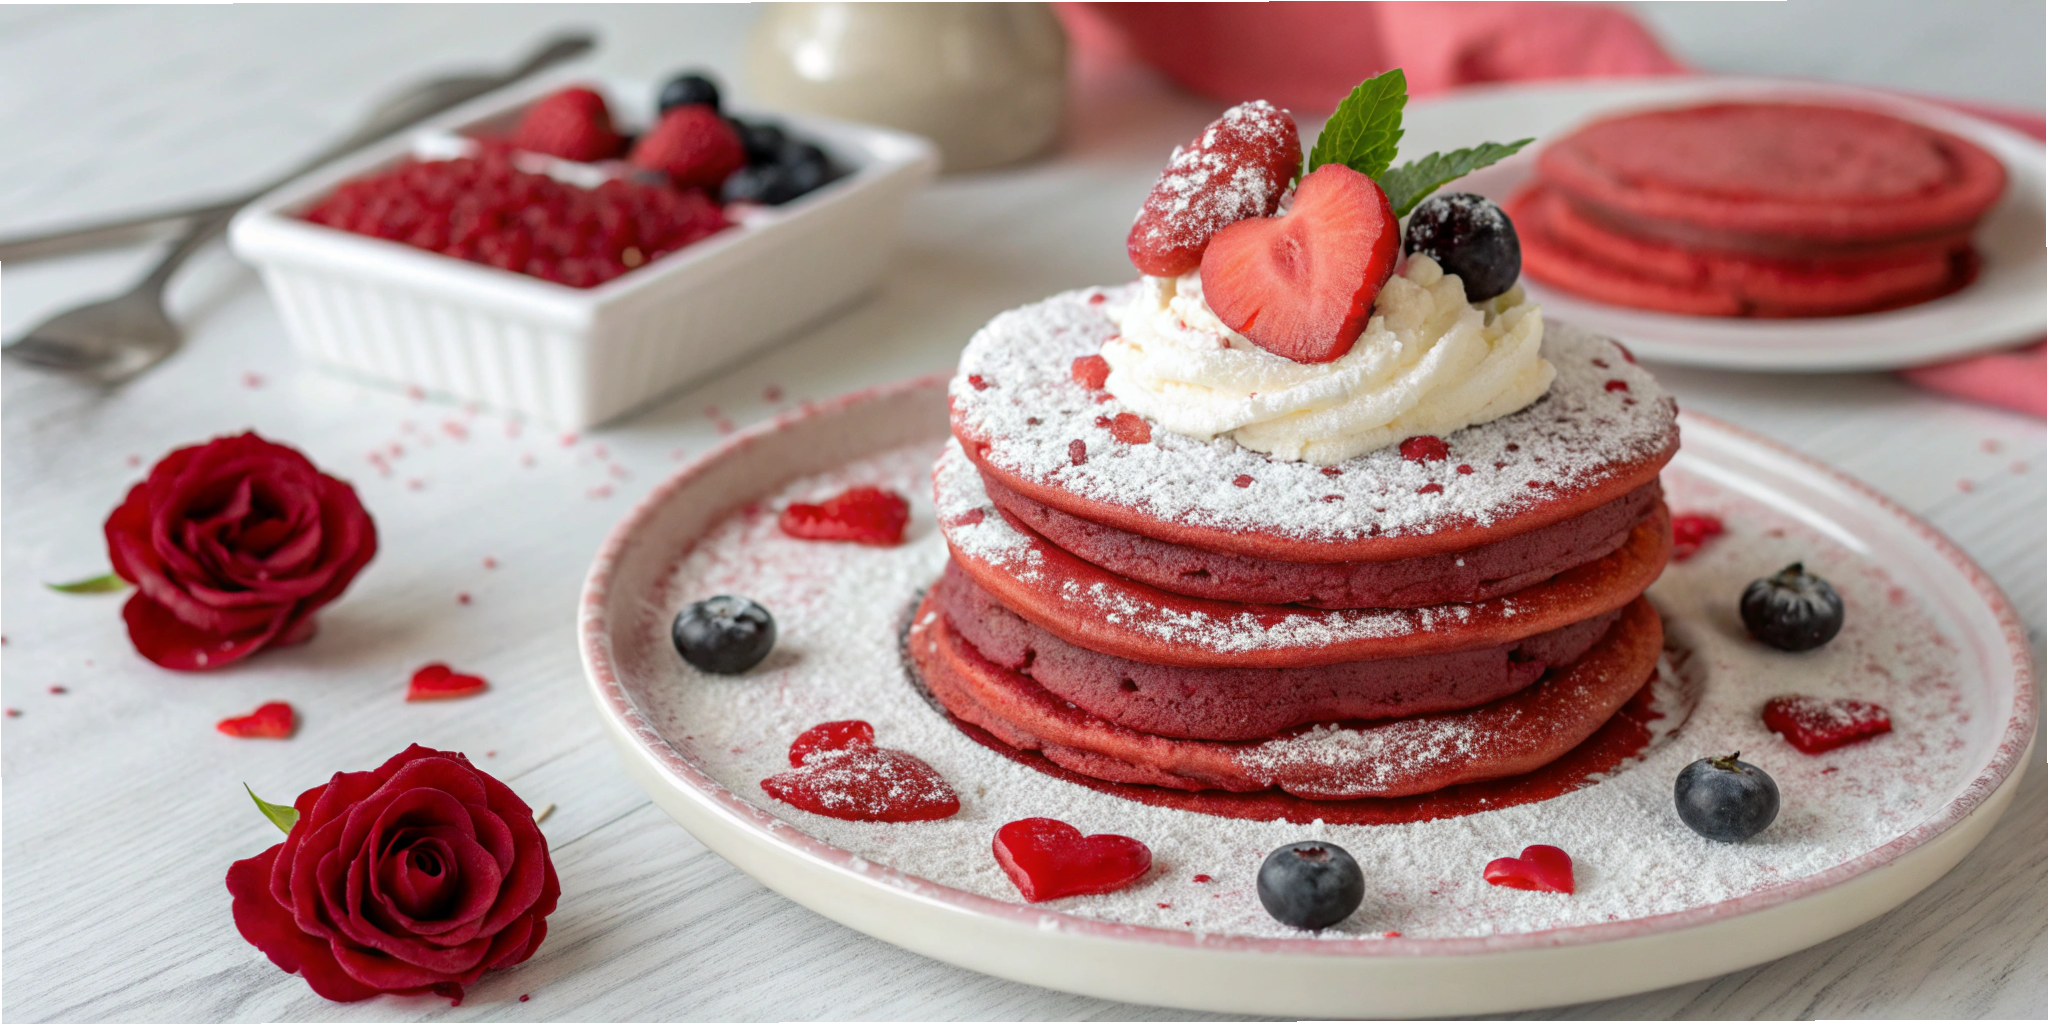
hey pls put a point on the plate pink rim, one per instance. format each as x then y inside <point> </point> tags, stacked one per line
<point>594,629</point>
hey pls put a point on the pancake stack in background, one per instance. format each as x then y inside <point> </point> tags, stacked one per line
<point>1757,209</point>
<point>1148,608</point>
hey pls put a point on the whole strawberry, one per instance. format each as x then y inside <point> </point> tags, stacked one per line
<point>573,124</point>
<point>1236,169</point>
<point>694,146</point>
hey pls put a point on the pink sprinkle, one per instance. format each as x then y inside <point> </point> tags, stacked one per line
<point>1964,485</point>
<point>1166,906</point>
<point>490,563</point>
<point>415,392</point>
<point>711,413</point>
<point>490,753</point>
<point>2019,465</point>
<point>600,451</point>
<point>455,430</point>
<point>620,472</point>
<point>58,690</point>
<point>1243,480</point>
<point>772,393</point>
<point>134,460</point>
<point>397,450</point>
<point>462,598</point>
<point>601,491</point>
<point>405,426</point>
<point>678,454</point>
<point>1097,299</point>
<point>1991,445</point>
<point>526,460</point>
<point>1203,878</point>
<point>512,428</point>
<point>569,439</point>
<point>415,484</point>
<point>723,426</point>
<point>252,380</point>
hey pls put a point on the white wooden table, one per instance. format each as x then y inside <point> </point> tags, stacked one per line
<point>125,807</point>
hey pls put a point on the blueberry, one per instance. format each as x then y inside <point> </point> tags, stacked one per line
<point>1726,799</point>
<point>770,184</point>
<point>726,635</point>
<point>1471,237</point>
<point>1792,611</point>
<point>1310,884</point>
<point>763,139</point>
<point>685,89</point>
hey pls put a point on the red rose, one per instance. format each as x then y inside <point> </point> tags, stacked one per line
<point>417,877</point>
<point>232,546</point>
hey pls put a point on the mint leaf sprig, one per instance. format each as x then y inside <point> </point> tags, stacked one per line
<point>1365,132</point>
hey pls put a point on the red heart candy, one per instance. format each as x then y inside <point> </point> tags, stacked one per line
<point>830,736</point>
<point>864,515</point>
<point>1543,868</point>
<point>1047,859</point>
<point>840,773</point>
<point>272,721</point>
<point>439,682</point>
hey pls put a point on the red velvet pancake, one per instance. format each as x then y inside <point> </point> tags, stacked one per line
<point>1103,612</point>
<point>1798,171</point>
<point>1510,736</point>
<point>1604,429</point>
<point>1565,249</point>
<point>1487,571</point>
<point>1251,703</point>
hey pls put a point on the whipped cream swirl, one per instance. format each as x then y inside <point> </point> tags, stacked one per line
<point>1429,362</point>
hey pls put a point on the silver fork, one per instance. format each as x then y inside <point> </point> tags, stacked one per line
<point>113,340</point>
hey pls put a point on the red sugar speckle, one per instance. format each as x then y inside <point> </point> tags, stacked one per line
<point>1390,935</point>
<point>1617,385</point>
<point>406,426</point>
<point>14,712</point>
<point>490,563</point>
<point>1601,363</point>
<point>569,440</point>
<point>1102,421</point>
<point>601,491</point>
<point>59,690</point>
<point>1243,480</point>
<point>1166,906</point>
<point>415,392</point>
<point>1964,485</point>
<point>2019,465</point>
<point>462,598</point>
<point>678,454</point>
<point>772,393</point>
<point>252,380</point>
<point>1990,444</point>
<point>1077,450</point>
<point>620,472</point>
<point>527,460</point>
<point>490,753</point>
<point>723,426</point>
<point>455,430</point>
<point>1332,471</point>
<point>600,451</point>
<point>524,997</point>
<point>415,484</point>
<point>1464,469</point>
<point>1425,448</point>
<point>1203,878</point>
<point>1333,497</point>
<point>1430,488</point>
<point>977,382</point>
<point>512,428</point>
<point>134,460</point>
<point>1131,428</point>
<point>1097,299</point>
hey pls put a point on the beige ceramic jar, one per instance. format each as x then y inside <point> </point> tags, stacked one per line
<point>986,81</point>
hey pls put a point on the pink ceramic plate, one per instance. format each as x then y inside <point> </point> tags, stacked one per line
<point>1959,687</point>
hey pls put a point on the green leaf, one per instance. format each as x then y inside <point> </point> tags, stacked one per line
<point>1413,181</point>
<point>92,585</point>
<point>1365,132</point>
<point>283,816</point>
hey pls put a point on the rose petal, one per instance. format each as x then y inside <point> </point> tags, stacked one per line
<point>269,927</point>
<point>164,639</point>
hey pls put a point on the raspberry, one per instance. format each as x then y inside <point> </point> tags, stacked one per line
<point>694,146</point>
<point>573,124</point>
<point>1815,726</point>
<point>1131,429</point>
<point>864,515</point>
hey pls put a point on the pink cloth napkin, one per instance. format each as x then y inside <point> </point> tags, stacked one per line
<point>1307,56</point>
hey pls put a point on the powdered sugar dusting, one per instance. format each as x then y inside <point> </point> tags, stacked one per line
<point>1029,410</point>
<point>840,609</point>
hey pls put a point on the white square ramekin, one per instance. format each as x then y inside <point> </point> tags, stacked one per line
<point>576,357</point>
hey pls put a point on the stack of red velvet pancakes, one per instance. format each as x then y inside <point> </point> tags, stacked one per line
<point>1146,607</point>
<point>1757,209</point>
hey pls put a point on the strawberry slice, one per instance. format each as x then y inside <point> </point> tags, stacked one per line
<point>272,721</point>
<point>1237,168</point>
<point>1815,726</point>
<point>1047,858</point>
<point>864,515</point>
<point>1301,286</point>
<point>837,771</point>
